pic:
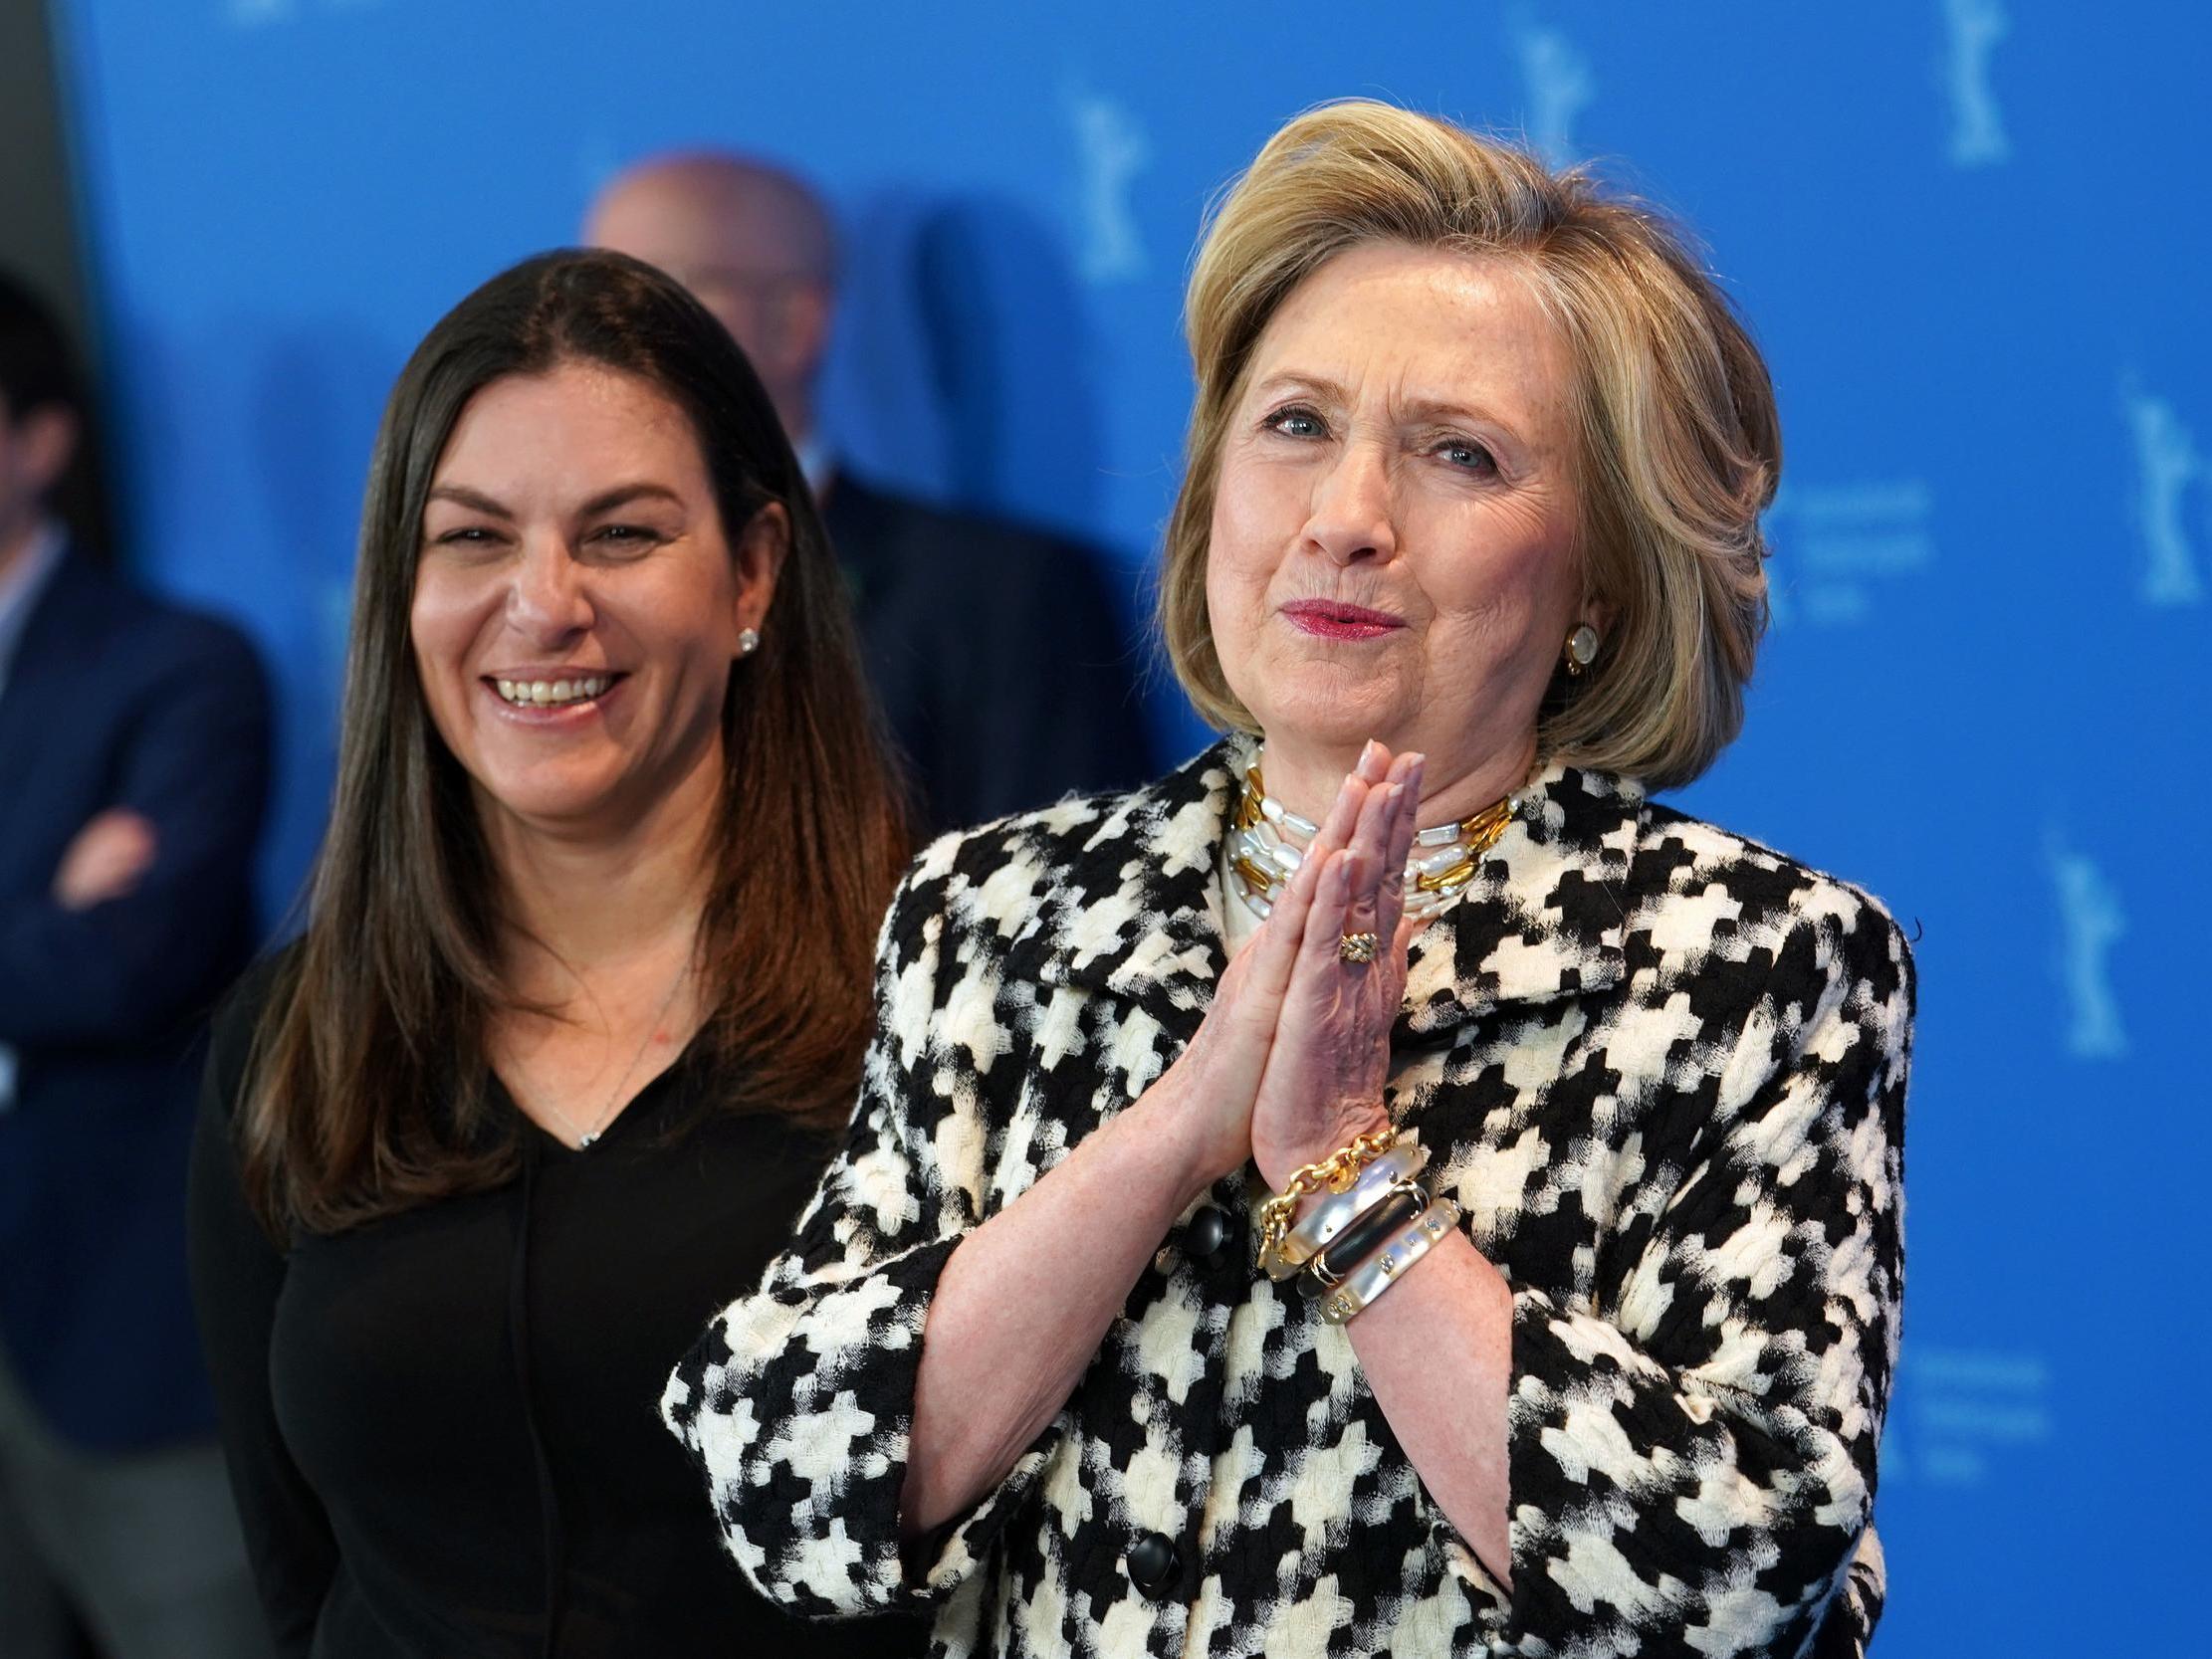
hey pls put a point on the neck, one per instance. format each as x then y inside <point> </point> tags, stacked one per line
<point>588,903</point>
<point>1306,777</point>
<point>796,412</point>
<point>18,531</point>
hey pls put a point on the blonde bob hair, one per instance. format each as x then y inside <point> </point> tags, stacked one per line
<point>1679,443</point>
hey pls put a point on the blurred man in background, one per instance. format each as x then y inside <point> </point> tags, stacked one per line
<point>133,767</point>
<point>1004,663</point>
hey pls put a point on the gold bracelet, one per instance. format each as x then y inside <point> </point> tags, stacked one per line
<point>1331,1212</point>
<point>1334,1173</point>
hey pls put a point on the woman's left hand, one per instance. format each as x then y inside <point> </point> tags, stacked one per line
<point>1323,1083</point>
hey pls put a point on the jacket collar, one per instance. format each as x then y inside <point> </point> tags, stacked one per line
<point>1132,899</point>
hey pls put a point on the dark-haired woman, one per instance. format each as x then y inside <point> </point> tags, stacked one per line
<point>583,979</point>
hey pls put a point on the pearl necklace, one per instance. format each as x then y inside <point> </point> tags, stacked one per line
<point>1268,843</point>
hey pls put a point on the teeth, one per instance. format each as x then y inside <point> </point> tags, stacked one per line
<point>542,693</point>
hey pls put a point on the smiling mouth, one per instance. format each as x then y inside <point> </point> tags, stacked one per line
<point>1333,620</point>
<point>553,693</point>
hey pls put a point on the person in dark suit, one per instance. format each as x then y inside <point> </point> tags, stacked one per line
<point>1000,651</point>
<point>134,765</point>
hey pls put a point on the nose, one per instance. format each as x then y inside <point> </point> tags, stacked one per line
<point>549,603</point>
<point>1350,520</point>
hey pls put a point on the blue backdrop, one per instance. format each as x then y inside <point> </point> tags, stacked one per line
<point>1971,235</point>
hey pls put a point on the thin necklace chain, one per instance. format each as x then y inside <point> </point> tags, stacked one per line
<point>606,1112</point>
<point>1269,840</point>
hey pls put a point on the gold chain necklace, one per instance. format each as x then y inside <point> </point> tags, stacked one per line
<point>1268,842</point>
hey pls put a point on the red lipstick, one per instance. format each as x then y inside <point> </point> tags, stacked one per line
<point>1333,619</point>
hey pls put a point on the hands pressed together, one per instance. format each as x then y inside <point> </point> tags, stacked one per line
<point>1290,1062</point>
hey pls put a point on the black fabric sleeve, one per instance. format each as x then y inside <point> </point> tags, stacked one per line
<point>237,1274</point>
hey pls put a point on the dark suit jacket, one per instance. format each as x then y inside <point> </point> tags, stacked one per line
<point>115,700</point>
<point>1008,669</point>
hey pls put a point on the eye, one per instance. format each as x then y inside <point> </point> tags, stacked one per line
<point>627,538</point>
<point>468,535</point>
<point>1297,421</point>
<point>1467,455</point>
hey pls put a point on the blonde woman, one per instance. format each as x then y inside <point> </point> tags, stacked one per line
<point>1497,1247</point>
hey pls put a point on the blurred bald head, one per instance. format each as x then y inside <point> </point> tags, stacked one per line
<point>750,242</point>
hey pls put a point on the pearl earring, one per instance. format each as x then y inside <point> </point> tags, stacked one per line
<point>748,641</point>
<point>1582,648</point>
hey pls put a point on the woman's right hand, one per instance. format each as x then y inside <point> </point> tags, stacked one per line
<point>1205,1098</point>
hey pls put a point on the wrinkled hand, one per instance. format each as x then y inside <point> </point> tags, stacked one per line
<point>1325,1071</point>
<point>1215,1081</point>
<point>105,860</point>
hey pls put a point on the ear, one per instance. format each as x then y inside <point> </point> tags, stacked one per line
<point>757,558</point>
<point>46,439</point>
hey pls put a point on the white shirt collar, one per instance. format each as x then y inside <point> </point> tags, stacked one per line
<point>19,589</point>
<point>816,462</point>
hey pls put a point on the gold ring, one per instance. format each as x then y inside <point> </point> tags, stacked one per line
<point>1357,947</point>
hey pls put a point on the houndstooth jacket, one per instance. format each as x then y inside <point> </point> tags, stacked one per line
<point>1661,1068</point>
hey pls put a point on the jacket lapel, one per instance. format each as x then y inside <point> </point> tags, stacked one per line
<point>1135,910</point>
<point>1543,918</point>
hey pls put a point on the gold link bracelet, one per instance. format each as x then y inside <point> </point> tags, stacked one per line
<point>1334,1173</point>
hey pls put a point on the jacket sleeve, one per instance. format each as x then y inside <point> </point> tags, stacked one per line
<point>237,1274</point>
<point>196,764</point>
<point>799,1401</point>
<point>1692,1461</point>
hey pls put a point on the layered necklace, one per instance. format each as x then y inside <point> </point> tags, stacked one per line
<point>1268,842</point>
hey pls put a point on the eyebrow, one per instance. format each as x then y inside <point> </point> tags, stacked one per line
<point>1290,380</point>
<point>1418,409</point>
<point>606,501</point>
<point>462,496</point>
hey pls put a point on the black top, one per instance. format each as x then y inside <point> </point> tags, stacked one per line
<point>442,1428</point>
<point>1003,658</point>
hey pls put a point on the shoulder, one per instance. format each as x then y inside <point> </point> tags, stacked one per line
<point>124,623</point>
<point>974,543</point>
<point>203,640</point>
<point>1083,871</point>
<point>997,876</point>
<point>1695,888</point>
<point>264,987</point>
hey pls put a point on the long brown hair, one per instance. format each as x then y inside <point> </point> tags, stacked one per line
<point>365,1095</point>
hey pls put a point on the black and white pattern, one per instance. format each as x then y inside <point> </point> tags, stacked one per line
<point>1661,1068</point>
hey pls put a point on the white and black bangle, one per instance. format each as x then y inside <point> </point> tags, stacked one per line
<point>1366,1282</point>
<point>1376,1226</point>
<point>1332,1213</point>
